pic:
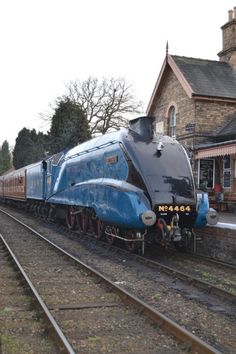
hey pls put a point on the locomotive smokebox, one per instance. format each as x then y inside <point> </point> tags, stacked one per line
<point>143,126</point>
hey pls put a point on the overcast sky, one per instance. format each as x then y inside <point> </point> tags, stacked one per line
<point>46,43</point>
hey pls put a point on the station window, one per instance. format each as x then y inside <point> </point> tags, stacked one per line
<point>206,173</point>
<point>227,171</point>
<point>172,122</point>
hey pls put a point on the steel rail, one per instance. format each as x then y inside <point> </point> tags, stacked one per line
<point>200,284</point>
<point>61,340</point>
<point>193,343</point>
<point>212,260</point>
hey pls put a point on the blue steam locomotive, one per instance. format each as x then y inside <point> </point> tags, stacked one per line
<point>132,184</point>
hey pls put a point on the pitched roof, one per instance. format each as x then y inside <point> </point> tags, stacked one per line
<point>228,129</point>
<point>198,77</point>
<point>208,77</point>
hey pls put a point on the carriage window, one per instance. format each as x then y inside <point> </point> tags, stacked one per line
<point>227,172</point>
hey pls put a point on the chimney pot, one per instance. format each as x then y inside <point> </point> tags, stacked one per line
<point>235,12</point>
<point>230,15</point>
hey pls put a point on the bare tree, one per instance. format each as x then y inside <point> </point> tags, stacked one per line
<point>107,104</point>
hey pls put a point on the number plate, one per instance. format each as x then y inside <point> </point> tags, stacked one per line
<point>173,208</point>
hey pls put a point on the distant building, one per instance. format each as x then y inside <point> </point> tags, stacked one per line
<point>194,100</point>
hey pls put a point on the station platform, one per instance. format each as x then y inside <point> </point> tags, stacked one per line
<point>218,241</point>
<point>227,219</point>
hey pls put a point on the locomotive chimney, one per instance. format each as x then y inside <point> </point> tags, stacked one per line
<point>143,126</point>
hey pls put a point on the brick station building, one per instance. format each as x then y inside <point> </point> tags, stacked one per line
<point>194,100</point>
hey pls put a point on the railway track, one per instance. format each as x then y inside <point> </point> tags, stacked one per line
<point>94,314</point>
<point>212,260</point>
<point>14,300</point>
<point>214,281</point>
<point>29,331</point>
<point>212,276</point>
<point>218,282</point>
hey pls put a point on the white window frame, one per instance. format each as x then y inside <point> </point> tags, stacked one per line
<point>213,172</point>
<point>227,170</point>
<point>172,122</point>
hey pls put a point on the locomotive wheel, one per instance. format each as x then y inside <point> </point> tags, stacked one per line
<point>45,211</point>
<point>82,221</point>
<point>131,246</point>
<point>98,228</point>
<point>111,230</point>
<point>41,210</point>
<point>71,220</point>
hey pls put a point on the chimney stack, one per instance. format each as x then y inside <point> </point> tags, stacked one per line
<point>228,53</point>
<point>230,14</point>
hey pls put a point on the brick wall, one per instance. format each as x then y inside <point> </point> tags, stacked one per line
<point>172,92</point>
<point>216,242</point>
<point>210,115</point>
<point>207,115</point>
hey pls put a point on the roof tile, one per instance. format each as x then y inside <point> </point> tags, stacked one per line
<point>208,77</point>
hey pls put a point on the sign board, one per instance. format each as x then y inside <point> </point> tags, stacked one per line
<point>189,127</point>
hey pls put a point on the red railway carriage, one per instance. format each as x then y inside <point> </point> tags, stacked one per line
<point>1,186</point>
<point>14,184</point>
